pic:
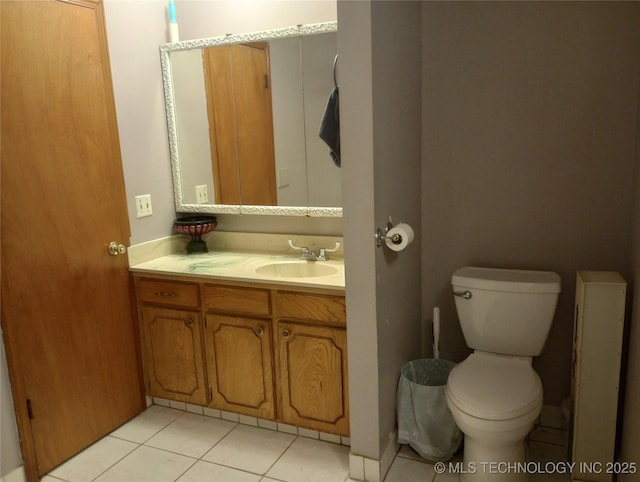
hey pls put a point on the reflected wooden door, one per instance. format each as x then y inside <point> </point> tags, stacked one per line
<point>238,83</point>
<point>66,310</point>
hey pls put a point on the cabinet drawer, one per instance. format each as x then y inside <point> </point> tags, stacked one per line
<point>244,301</point>
<point>168,293</point>
<point>309,307</point>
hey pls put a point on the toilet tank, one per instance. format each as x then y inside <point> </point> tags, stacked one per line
<point>505,311</point>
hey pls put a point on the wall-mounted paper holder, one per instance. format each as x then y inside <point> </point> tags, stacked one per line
<point>396,238</point>
<point>381,235</point>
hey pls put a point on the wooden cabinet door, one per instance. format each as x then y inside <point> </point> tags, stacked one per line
<point>239,364</point>
<point>313,376</point>
<point>67,317</point>
<point>173,354</point>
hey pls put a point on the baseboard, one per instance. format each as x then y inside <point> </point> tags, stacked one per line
<point>16,475</point>
<point>372,470</point>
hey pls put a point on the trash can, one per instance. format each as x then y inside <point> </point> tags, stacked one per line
<point>424,419</point>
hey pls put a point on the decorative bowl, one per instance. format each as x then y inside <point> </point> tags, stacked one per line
<point>195,226</point>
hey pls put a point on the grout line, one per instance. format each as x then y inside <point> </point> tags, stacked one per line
<point>187,470</point>
<point>280,456</point>
<point>119,460</point>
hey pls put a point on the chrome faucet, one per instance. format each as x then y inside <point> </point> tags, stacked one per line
<point>320,255</point>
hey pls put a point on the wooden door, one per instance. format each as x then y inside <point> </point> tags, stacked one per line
<point>252,96</point>
<point>313,376</point>
<point>222,125</point>
<point>173,354</point>
<point>239,364</point>
<point>237,79</point>
<point>66,310</point>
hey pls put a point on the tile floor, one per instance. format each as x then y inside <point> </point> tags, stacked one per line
<point>165,444</point>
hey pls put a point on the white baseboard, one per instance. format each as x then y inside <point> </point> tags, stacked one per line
<point>371,470</point>
<point>16,475</point>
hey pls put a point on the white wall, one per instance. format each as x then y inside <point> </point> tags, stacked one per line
<point>288,121</point>
<point>10,457</point>
<point>192,123</point>
<point>135,29</point>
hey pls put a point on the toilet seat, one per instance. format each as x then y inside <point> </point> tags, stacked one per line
<point>494,387</point>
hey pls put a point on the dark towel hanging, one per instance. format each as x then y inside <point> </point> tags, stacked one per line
<point>330,126</point>
<point>330,123</point>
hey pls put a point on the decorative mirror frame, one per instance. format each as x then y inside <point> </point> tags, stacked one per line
<point>167,79</point>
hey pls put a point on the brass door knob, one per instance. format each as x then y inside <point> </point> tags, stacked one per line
<point>116,248</point>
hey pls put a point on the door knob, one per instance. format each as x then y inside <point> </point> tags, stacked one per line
<point>116,248</point>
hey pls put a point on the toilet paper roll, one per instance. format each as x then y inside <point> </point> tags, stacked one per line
<point>399,237</point>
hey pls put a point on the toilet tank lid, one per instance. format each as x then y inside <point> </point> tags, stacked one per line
<point>510,280</point>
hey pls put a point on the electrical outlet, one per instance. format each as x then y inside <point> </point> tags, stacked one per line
<point>143,206</point>
<point>201,194</point>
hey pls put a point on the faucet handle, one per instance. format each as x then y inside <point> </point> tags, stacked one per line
<point>300,248</point>
<point>334,249</point>
<point>304,249</point>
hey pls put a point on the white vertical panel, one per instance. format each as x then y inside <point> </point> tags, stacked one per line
<point>598,334</point>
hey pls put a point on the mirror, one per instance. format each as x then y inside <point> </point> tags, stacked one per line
<point>217,146</point>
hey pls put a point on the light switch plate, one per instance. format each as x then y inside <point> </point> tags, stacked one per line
<point>143,206</point>
<point>201,194</point>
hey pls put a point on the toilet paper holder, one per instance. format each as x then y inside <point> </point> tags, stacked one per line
<point>381,236</point>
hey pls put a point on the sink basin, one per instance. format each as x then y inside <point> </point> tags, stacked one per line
<point>297,269</point>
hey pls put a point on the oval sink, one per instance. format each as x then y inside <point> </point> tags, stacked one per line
<point>296,269</point>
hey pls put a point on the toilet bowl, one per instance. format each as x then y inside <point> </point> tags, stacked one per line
<point>495,395</point>
<point>495,401</point>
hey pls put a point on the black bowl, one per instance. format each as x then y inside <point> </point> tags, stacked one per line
<point>195,226</point>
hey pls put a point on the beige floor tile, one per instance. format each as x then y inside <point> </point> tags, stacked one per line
<point>207,472</point>
<point>312,461</point>
<point>147,464</point>
<point>147,424</point>
<point>191,435</point>
<point>94,460</point>
<point>407,470</point>
<point>250,448</point>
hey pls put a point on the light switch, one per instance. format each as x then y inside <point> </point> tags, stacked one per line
<point>201,194</point>
<point>143,206</point>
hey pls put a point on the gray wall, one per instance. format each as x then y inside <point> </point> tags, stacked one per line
<point>529,131</point>
<point>379,48</point>
<point>630,447</point>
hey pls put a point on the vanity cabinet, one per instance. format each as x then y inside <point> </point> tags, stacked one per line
<point>172,340</point>
<point>247,348</point>
<point>238,346</point>
<point>311,343</point>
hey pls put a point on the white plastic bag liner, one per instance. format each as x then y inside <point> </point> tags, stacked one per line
<point>424,419</point>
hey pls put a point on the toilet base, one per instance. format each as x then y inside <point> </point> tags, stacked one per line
<point>493,463</point>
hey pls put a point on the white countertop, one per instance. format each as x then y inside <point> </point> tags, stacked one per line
<point>242,266</point>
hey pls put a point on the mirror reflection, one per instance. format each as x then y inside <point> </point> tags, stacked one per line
<point>243,115</point>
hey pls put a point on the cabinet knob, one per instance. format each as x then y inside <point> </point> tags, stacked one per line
<point>188,322</point>
<point>258,331</point>
<point>285,333</point>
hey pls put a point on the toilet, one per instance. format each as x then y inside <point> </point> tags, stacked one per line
<point>495,395</point>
